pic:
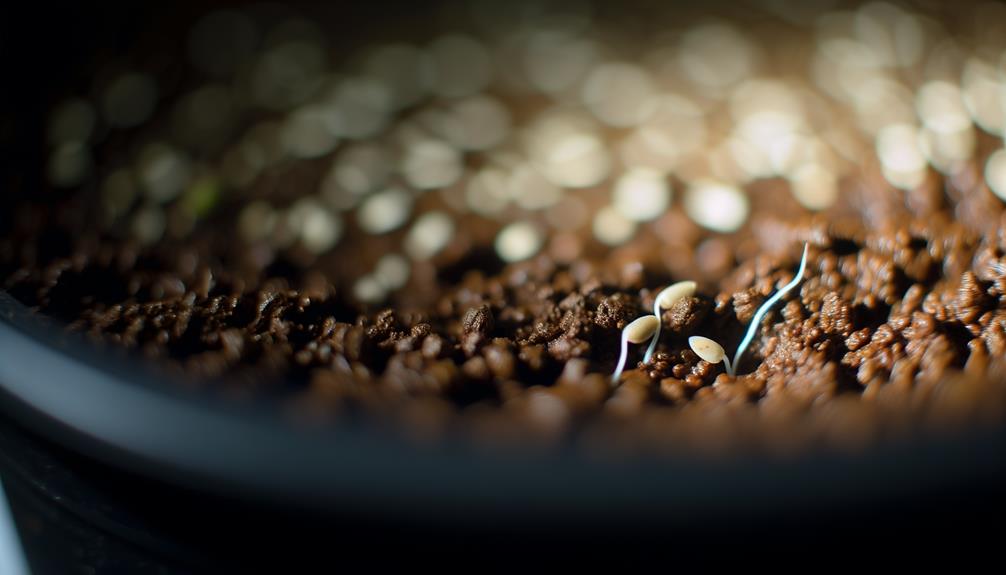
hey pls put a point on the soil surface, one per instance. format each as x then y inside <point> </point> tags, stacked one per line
<point>889,325</point>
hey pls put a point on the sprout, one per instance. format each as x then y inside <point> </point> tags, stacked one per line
<point>638,331</point>
<point>756,320</point>
<point>710,351</point>
<point>664,300</point>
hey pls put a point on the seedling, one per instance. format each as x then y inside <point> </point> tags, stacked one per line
<point>664,300</point>
<point>710,351</point>
<point>648,326</point>
<point>638,331</point>
<point>756,320</point>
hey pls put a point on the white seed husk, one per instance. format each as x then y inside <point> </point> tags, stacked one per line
<point>672,293</point>
<point>641,329</point>
<point>706,349</point>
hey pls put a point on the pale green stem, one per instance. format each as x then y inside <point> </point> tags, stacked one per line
<point>621,360</point>
<point>756,320</point>
<point>656,334</point>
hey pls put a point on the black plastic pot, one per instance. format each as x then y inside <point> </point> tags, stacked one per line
<point>108,409</point>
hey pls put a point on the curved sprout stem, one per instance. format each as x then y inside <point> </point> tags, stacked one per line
<point>621,360</point>
<point>729,366</point>
<point>756,320</point>
<point>656,334</point>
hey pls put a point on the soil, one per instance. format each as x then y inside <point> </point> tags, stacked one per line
<point>889,326</point>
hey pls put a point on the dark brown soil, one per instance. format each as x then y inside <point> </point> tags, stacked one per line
<point>889,326</point>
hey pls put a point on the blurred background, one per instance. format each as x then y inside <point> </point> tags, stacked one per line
<point>380,145</point>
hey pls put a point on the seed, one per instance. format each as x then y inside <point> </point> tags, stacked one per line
<point>641,329</point>
<point>707,349</point>
<point>638,331</point>
<point>664,300</point>
<point>672,293</point>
